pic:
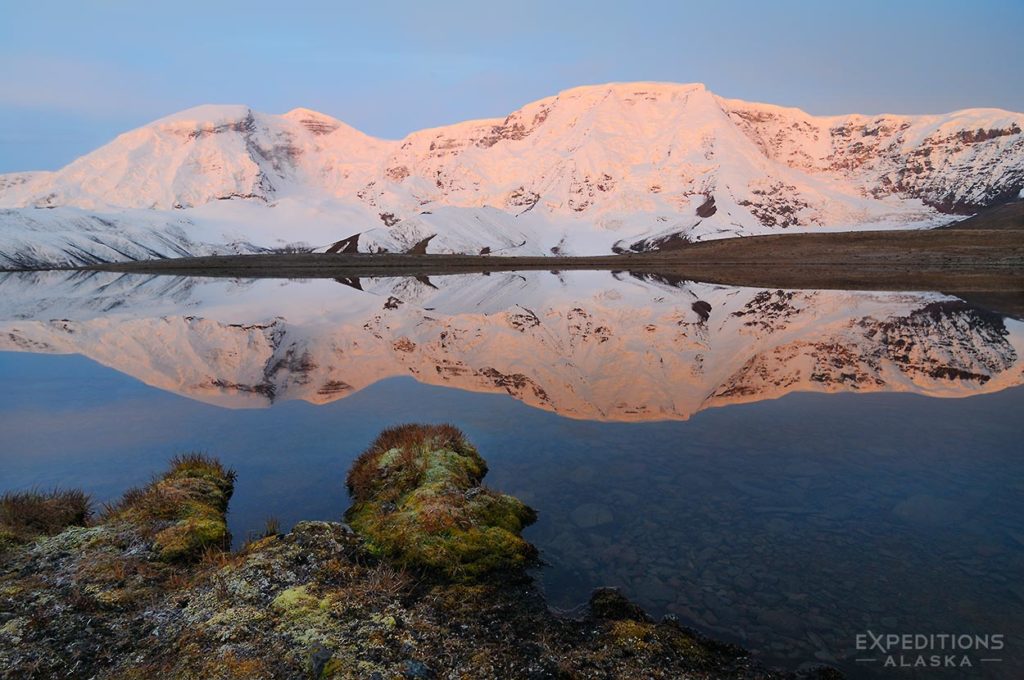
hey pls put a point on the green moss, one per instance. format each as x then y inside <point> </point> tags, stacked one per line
<point>306,615</point>
<point>632,635</point>
<point>689,647</point>
<point>185,508</point>
<point>237,616</point>
<point>260,544</point>
<point>334,668</point>
<point>8,539</point>
<point>503,511</point>
<point>188,538</point>
<point>295,602</point>
<point>418,501</point>
<point>114,598</point>
<point>386,620</point>
<point>12,631</point>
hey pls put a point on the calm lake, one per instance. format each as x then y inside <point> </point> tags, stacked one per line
<point>782,469</point>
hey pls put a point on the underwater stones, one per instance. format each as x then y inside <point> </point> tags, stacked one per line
<point>419,502</point>
<point>744,581</point>
<point>589,515</point>
<point>780,620</point>
<point>417,669</point>
<point>654,589</point>
<point>928,510</point>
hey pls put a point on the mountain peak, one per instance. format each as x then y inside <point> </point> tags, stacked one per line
<point>314,121</point>
<point>614,166</point>
<point>632,87</point>
<point>205,114</point>
<point>300,112</point>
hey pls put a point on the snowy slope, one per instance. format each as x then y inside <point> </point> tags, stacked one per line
<point>629,166</point>
<point>584,344</point>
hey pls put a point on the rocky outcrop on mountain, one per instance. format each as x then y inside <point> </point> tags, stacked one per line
<point>632,166</point>
<point>957,163</point>
<point>583,345</point>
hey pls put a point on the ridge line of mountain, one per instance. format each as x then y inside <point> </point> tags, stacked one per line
<point>627,167</point>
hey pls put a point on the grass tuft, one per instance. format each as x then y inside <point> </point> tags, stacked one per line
<point>27,514</point>
<point>196,464</point>
<point>400,449</point>
<point>183,509</point>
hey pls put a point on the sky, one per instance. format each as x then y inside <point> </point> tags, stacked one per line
<point>75,74</point>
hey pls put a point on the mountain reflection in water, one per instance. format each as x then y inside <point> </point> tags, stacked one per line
<point>589,345</point>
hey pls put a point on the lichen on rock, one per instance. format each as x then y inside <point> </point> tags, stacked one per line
<point>419,501</point>
<point>185,508</point>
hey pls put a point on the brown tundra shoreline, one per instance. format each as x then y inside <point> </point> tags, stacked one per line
<point>941,259</point>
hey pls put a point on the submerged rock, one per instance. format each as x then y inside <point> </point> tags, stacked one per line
<point>609,603</point>
<point>150,590</point>
<point>590,515</point>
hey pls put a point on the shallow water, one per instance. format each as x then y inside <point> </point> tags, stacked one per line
<point>775,468</point>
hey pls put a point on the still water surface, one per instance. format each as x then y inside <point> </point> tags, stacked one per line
<point>775,468</point>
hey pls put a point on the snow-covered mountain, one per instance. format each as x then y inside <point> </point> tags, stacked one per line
<point>584,344</point>
<point>630,166</point>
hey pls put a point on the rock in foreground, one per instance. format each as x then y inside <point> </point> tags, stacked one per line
<point>419,502</point>
<point>150,592</point>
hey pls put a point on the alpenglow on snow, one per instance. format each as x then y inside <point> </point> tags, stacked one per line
<point>592,170</point>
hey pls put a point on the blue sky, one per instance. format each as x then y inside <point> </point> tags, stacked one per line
<point>75,74</point>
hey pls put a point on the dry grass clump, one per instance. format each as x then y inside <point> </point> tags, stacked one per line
<point>197,464</point>
<point>162,498</point>
<point>27,514</point>
<point>383,581</point>
<point>402,447</point>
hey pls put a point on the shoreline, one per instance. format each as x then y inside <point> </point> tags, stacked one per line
<point>985,259</point>
<point>976,257</point>
<point>970,260</point>
<point>429,578</point>
<point>985,266</point>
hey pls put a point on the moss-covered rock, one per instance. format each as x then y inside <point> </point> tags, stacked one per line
<point>419,502</point>
<point>98,578</point>
<point>185,509</point>
<point>188,537</point>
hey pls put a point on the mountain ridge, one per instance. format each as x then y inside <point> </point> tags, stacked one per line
<point>620,166</point>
